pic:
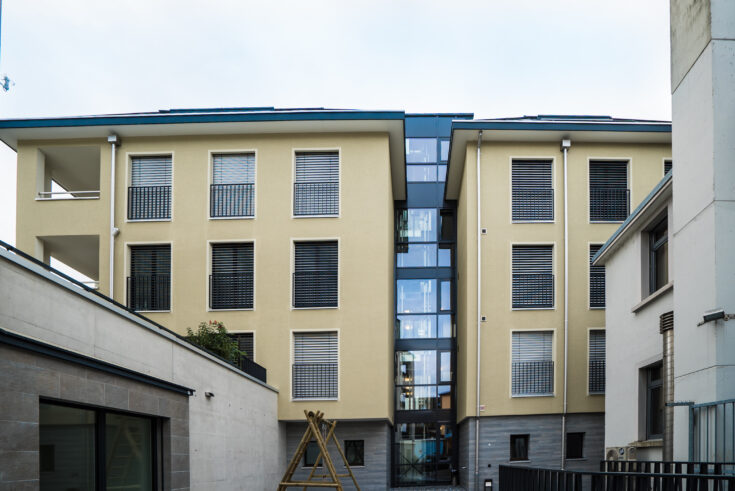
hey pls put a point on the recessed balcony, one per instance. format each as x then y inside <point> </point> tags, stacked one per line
<point>74,255</point>
<point>68,173</point>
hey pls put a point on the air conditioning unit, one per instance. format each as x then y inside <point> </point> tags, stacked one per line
<point>621,453</point>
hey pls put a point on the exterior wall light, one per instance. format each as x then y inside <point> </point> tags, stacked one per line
<point>715,315</point>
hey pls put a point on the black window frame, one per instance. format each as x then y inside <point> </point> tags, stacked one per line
<point>596,280</point>
<point>315,274</point>
<point>149,289</point>
<point>609,201</point>
<point>236,197</point>
<point>534,377</point>
<point>317,195</point>
<point>532,192</point>
<point>651,385</point>
<point>656,247</point>
<point>315,371</point>
<point>311,453</point>
<point>152,201</point>
<point>596,366</point>
<point>513,456</point>
<point>575,441</point>
<point>358,458</point>
<point>232,286</point>
<point>533,282</point>
<point>244,339</point>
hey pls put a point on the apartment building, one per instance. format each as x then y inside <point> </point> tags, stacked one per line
<point>347,253</point>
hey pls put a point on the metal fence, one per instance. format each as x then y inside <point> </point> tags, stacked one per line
<point>609,204</point>
<point>149,292</point>
<point>596,376</point>
<point>533,377</point>
<point>533,290</point>
<point>149,202</point>
<point>251,368</point>
<point>316,198</point>
<point>315,289</point>
<point>671,467</point>
<point>533,204</point>
<point>231,200</point>
<point>597,290</point>
<point>712,431</point>
<point>314,380</point>
<point>231,291</point>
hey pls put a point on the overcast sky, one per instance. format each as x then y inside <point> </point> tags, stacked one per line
<point>493,58</point>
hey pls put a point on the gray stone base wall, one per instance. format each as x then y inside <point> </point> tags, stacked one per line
<point>374,475</point>
<point>544,448</point>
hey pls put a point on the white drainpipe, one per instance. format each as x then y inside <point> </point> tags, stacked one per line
<point>479,317</point>
<point>114,142</point>
<point>565,144</point>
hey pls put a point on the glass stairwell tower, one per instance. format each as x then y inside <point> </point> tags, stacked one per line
<point>425,433</point>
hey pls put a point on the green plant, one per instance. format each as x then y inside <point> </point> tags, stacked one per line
<point>213,336</point>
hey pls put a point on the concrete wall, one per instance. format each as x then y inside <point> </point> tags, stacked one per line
<point>233,438</point>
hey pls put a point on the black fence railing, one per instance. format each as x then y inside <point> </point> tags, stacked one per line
<point>533,204</point>
<point>673,467</point>
<point>316,198</point>
<point>231,200</point>
<point>149,292</point>
<point>149,202</point>
<point>514,478</point>
<point>532,377</point>
<point>251,368</point>
<point>231,291</point>
<point>596,377</point>
<point>314,380</point>
<point>533,290</point>
<point>609,204</point>
<point>315,289</point>
<point>597,290</point>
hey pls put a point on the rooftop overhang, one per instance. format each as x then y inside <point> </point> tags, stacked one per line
<point>532,131</point>
<point>219,122</point>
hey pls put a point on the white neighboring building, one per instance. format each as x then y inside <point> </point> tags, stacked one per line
<point>639,290</point>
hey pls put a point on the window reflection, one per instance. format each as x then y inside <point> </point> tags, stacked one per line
<point>421,173</point>
<point>445,326</point>
<point>446,366</point>
<point>418,398</point>
<point>418,256</point>
<point>420,150</point>
<point>444,150</point>
<point>66,437</point>
<point>416,367</point>
<point>421,225</point>
<point>446,295</point>
<point>417,326</point>
<point>128,446</point>
<point>416,296</point>
<point>445,257</point>
<point>441,173</point>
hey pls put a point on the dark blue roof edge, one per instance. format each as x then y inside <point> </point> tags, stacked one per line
<point>654,192</point>
<point>645,127</point>
<point>170,118</point>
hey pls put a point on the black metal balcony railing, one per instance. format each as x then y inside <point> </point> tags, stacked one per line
<point>231,291</point>
<point>533,377</point>
<point>597,376</point>
<point>315,289</point>
<point>149,292</point>
<point>514,478</point>
<point>149,202</point>
<point>314,380</point>
<point>251,368</point>
<point>231,200</point>
<point>673,467</point>
<point>597,290</point>
<point>315,198</point>
<point>533,204</point>
<point>533,290</point>
<point>609,204</point>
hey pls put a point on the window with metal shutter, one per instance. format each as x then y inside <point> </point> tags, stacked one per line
<point>149,283</point>
<point>149,194</point>
<point>533,365</point>
<point>533,194</point>
<point>668,165</point>
<point>609,194</point>
<point>231,281</point>
<point>315,368</point>
<point>597,281</point>
<point>533,278</point>
<point>315,282</point>
<point>316,184</point>
<point>245,343</point>
<point>597,362</point>
<point>232,193</point>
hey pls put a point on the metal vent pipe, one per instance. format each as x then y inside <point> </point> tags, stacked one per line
<point>667,333</point>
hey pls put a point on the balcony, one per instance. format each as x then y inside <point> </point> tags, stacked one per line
<point>149,203</point>
<point>251,368</point>
<point>609,204</point>
<point>231,291</point>
<point>74,255</point>
<point>533,204</point>
<point>315,289</point>
<point>231,200</point>
<point>149,292</point>
<point>533,378</point>
<point>534,291</point>
<point>316,198</point>
<point>68,173</point>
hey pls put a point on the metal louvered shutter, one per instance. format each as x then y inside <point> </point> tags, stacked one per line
<point>668,165</point>
<point>609,194</point>
<point>245,343</point>
<point>533,278</point>
<point>532,363</point>
<point>149,283</point>
<point>315,365</point>
<point>231,281</point>
<point>597,362</point>
<point>232,193</point>
<point>533,195</point>
<point>316,184</point>
<point>149,194</point>
<point>315,282</point>
<point>597,281</point>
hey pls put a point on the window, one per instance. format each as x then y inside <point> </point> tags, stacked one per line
<point>575,445</point>
<point>421,160</point>
<point>533,194</point>
<point>315,282</point>
<point>231,281</point>
<point>311,454</point>
<point>519,447</point>
<point>654,402</point>
<point>609,195</point>
<point>355,452</point>
<point>533,365</point>
<point>315,370</point>
<point>533,278</point>
<point>423,379</point>
<point>444,150</point>
<point>70,457</point>
<point>245,343</point>
<point>668,165</point>
<point>658,261</point>
<point>149,283</point>
<point>316,184</point>
<point>232,193</point>
<point>597,362</point>
<point>597,281</point>
<point>149,194</point>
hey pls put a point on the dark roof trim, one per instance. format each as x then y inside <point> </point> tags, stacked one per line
<point>634,216</point>
<point>22,342</point>
<point>546,125</point>
<point>441,115</point>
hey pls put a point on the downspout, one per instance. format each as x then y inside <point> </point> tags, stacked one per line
<point>479,318</point>
<point>114,142</point>
<point>667,331</point>
<point>565,144</point>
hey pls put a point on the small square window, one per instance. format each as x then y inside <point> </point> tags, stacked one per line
<point>575,445</point>
<point>311,454</point>
<point>355,452</point>
<point>519,447</point>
